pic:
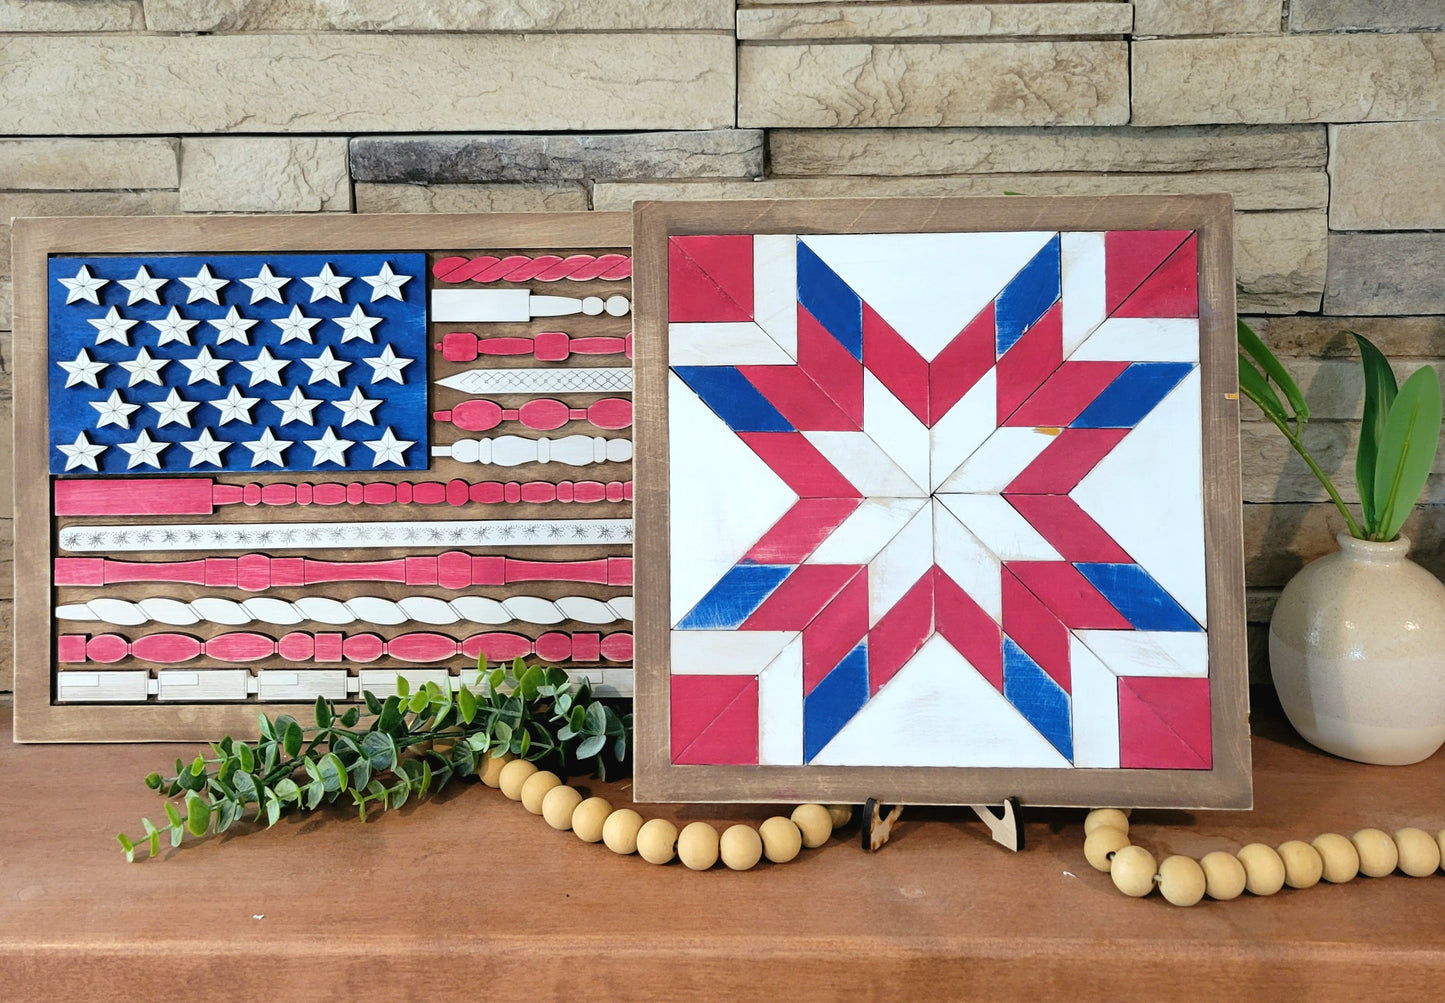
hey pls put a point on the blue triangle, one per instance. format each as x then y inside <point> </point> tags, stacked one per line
<point>1028,296</point>
<point>734,598</point>
<point>1036,696</point>
<point>1138,597</point>
<point>834,701</point>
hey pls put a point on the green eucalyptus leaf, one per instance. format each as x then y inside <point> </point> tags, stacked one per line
<point>198,814</point>
<point>154,781</point>
<point>178,833</point>
<point>1380,391</point>
<point>403,687</point>
<point>466,704</point>
<point>273,811</point>
<point>360,773</point>
<point>173,814</point>
<point>126,845</point>
<point>373,704</point>
<point>390,716</point>
<point>315,791</point>
<point>292,739</point>
<point>333,772</point>
<point>380,750</point>
<point>286,790</point>
<point>596,719</point>
<point>1257,350</point>
<point>323,713</point>
<point>226,814</point>
<point>268,730</point>
<point>352,715</point>
<point>198,766</point>
<point>1407,451</point>
<point>246,787</point>
<point>153,842</point>
<point>245,757</point>
<point>1254,386</point>
<point>502,732</point>
<point>591,746</point>
<point>525,745</point>
<point>418,702</point>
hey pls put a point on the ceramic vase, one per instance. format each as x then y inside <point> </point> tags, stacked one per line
<point>1357,652</point>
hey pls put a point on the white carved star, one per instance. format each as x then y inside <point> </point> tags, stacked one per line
<point>358,325</point>
<point>330,448</point>
<point>114,410</point>
<point>266,369</point>
<point>173,327</point>
<point>142,287</point>
<point>265,286</point>
<point>387,366</point>
<point>327,285</point>
<point>235,407</point>
<point>232,327</point>
<point>356,408</point>
<point>204,286</point>
<point>389,449</point>
<point>83,287</point>
<point>173,410</point>
<point>143,451</point>
<point>267,449</point>
<point>297,407</point>
<point>112,327</point>
<point>82,453</point>
<point>386,283</point>
<point>205,368</point>
<point>206,449</point>
<point>296,326</point>
<point>326,368</point>
<point>144,369</point>
<point>83,370</point>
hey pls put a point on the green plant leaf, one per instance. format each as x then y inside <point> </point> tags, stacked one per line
<point>1407,450</point>
<point>466,704</point>
<point>126,845</point>
<point>1380,391</point>
<point>1257,350</point>
<point>1254,386</point>
<point>323,713</point>
<point>273,811</point>
<point>198,814</point>
<point>292,739</point>
<point>591,745</point>
<point>379,749</point>
<point>287,790</point>
<point>403,687</point>
<point>373,704</point>
<point>352,715</point>
<point>333,772</point>
<point>245,757</point>
<point>173,814</point>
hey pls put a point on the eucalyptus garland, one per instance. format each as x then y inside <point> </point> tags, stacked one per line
<point>406,746</point>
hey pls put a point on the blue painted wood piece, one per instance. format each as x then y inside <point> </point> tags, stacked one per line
<point>1028,296</point>
<point>733,399</point>
<point>1133,394</point>
<point>834,701</point>
<point>735,596</point>
<point>830,300</point>
<point>1136,595</point>
<point>1036,696</point>
<point>402,328</point>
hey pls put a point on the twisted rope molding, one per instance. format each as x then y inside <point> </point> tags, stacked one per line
<point>543,268</point>
<point>370,610</point>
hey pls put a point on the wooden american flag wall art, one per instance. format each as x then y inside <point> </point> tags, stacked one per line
<point>939,502</point>
<point>261,461</point>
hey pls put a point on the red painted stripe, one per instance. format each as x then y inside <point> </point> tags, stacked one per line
<point>1065,394</point>
<point>1070,596</point>
<point>1030,361</point>
<point>896,363</point>
<point>801,530</point>
<point>1065,461</point>
<point>1076,536</point>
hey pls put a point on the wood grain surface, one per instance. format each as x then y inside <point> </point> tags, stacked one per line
<point>498,905</point>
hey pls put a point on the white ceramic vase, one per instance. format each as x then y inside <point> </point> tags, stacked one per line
<point>1357,652</point>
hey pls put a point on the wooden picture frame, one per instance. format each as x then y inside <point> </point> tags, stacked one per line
<point>723,281</point>
<point>580,621</point>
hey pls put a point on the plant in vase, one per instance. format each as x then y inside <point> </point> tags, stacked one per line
<point>1357,639</point>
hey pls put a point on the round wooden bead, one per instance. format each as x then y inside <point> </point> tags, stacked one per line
<point>1341,859</point>
<point>841,814</point>
<point>1101,844</point>
<point>1181,880</point>
<point>1419,854</point>
<point>1223,875</point>
<point>1105,817</point>
<point>814,822</point>
<point>1133,871</point>
<point>558,804</point>
<point>535,788</point>
<point>1378,854</point>
<point>1302,864</point>
<point>1263,870</point>
<point>514,775</point>
<point>588,818</point>
<point>619,832</point>
<point>740,847</point>
<point>781,839</point>
<point>492,768</point>
<point>657,841</point>
<point>697,846</point>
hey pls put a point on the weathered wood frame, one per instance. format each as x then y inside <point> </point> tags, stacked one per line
<point>38,718</point>
<point>1226,785</point>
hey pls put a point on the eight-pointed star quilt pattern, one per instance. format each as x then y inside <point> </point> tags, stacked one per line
<point>936,500</point>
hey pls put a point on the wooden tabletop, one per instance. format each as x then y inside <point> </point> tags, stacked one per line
<point>467,895</point>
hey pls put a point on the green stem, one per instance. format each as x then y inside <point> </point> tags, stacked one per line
<point>1298,444</point>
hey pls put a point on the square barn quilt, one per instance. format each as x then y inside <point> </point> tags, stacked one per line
<point>936,502</point>
<point>270,461</point>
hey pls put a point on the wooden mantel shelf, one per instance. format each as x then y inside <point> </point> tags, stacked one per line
<point>469,896</point>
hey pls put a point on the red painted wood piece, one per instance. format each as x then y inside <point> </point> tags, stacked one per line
<point>835,631</point>
<point>693,296</point>
<point>1164,723</point>
<point>1030,361</point>
<point>900,632</point>
<point>828,364</point>
<point>699,702</point>
<point>896,363</point>
<point>1034,628</point>
<point>797,461</point>
<point>961,364</point>
<point>727,261</point>
<point>794,603</point>
<point>1065,461</point>
<point>1130,256</point>
<point>1071,531</point>
<point>546,346</point>
<point>798,399</point>
<point>1171,291</point>
<point>1065,394</point>
<point>542,268</point>
<point>801,529</point>
<point>543,414</point>
<point>965,625</point>
<point>1070,596</point>
<point>133,496</point>
<point>258,572</point>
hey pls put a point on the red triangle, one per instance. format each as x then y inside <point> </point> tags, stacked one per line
<point>1173,289</point>
<point>1030,361</point>
<point>1035,628</point>
<point>961,364</point>
<point>830,365</point>
<point>964,624</point>
<point>732,738</point>
<point>693,296</point>
<point>896,363</point>
<point>835,631</point>
<point>1065,394</point>
<point>1130,256</point>
<point>794,604</point>
<point>797,461</point>
<point>801,530</point>
<point>697,701</point>
<point>1164,723</point>
<point>1065,461</point>
<point>899,633</point>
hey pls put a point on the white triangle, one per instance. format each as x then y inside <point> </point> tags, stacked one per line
<point>723,497</point>
<point>938,711</point>
<point>896,429</point>
<point>780,708</point>
<point>928,286</point>
<point>1147,493</point>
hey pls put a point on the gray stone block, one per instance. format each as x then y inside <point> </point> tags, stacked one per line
<point>1386,273</point>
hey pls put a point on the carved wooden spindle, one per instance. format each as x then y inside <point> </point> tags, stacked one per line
<point>541,415</point>
<point>514,450</point>
<point>548,346</point>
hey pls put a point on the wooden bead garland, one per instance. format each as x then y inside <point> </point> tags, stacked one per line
<point>623,831</point>
<point>1256,868</point>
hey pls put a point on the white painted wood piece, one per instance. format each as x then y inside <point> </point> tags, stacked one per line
<point>523,380</point>
<point>963,557</point>
<point>999,527</point>
<point>102,687</point>
<point>382,682</point>
<point>1150,652</point>
<point>963,428</point>
<point>737,343</point>
<point>866,531</point>
<point>1094,692</point>
<point>1081,265</point>
<point>502,306</point>
<point>775,288</point>
<point>301,684</point>
<point>890,424</point>
<point>864,463</point>
<point>726,652</point>
<point>202,685</point>
<point>1141,339</point>
<point>780,708</point>
<point>997,461</point>
<point>358,535</point>
<point>515,450</point>
<point>898,566</point>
